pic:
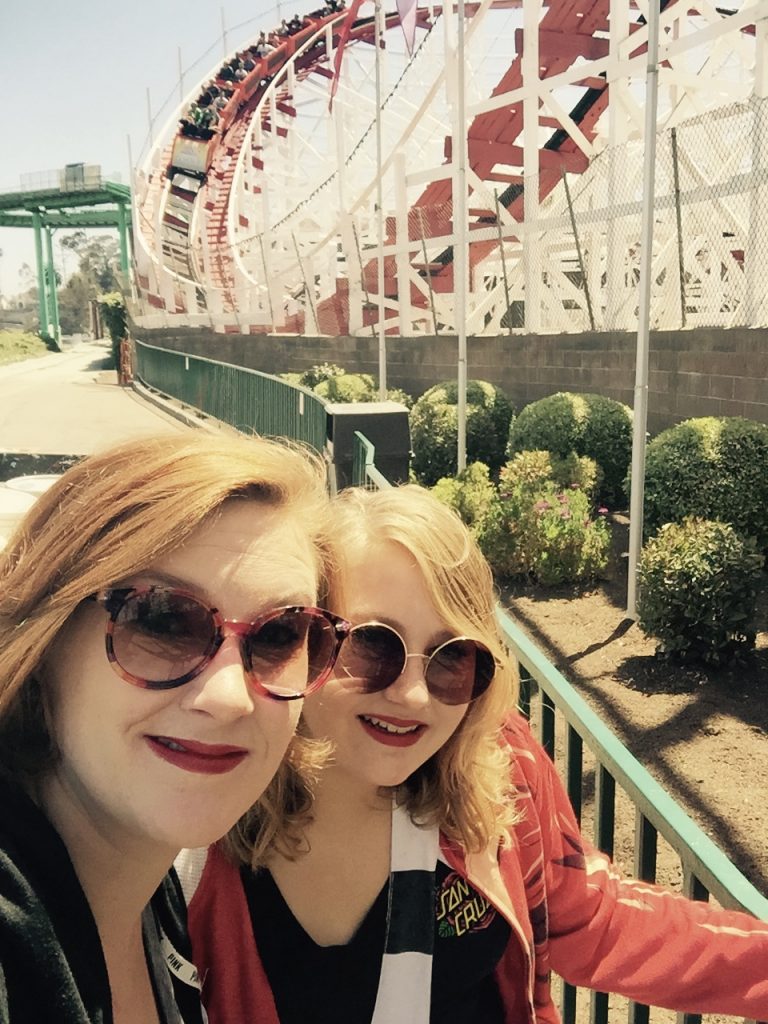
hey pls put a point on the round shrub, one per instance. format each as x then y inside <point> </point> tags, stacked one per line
<point>714,468</point>
<point>697,591</point>
<point>470,493</point>
<point>347,387</point>
<point>434,428</point>
<point>591,425</point>
<point>534,469</point>
<point>546,534</point>
<point>318,373</point>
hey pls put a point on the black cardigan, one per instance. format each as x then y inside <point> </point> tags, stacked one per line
<point>52,968</point>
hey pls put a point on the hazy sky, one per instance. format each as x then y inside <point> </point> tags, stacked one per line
<point>75,75</point>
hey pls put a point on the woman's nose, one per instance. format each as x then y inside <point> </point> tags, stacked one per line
<point>410,687</point>
<point>223,690</point>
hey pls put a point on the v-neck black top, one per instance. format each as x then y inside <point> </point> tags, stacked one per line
<point>339,984</point>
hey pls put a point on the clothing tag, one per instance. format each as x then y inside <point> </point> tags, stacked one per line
<point>177,964</point>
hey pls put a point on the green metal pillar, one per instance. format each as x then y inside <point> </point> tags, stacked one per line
<point>54,298</point>
<point>42,293</point>
<point>123,229</point>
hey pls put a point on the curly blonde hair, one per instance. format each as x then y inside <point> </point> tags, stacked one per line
<point>464,787</point>
<point>113,515</point>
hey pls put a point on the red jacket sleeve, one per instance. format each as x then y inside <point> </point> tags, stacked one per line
<point>637,939</point>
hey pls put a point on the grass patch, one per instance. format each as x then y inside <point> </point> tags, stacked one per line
<point>18,345</point>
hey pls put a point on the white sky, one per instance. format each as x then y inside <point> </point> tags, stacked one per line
<point>75,74</point>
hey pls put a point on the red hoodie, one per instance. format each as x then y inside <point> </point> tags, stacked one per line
<point>569,910</point>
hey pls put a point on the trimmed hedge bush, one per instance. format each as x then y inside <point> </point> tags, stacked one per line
<point>697,591</point>
<point>535,469</point>
<point>547,534</point>
<point>714,468</point>
<point>347,387</point>
<point>434,428</point>
<point>590,425</point>
<point>471,493</point>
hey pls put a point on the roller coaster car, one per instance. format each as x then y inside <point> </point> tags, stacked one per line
<point>192,155</point>
<point>189,156</point>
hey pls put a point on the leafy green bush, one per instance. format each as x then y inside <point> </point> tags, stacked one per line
<point>590,425</point>
<point>434,428</point>
<point>471,493</point>
<point>347,387</point>
<point>317,374</point>
<point>714,468</point>
<point>534,469</point>
<point>334,384</point>
<point>697,591</point>
<point>398,395</point>
<point>115,316</point>
<point>547,534</point>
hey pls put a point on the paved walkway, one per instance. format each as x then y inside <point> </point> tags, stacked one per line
<point>66,403</point>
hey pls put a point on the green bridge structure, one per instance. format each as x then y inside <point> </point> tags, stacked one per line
<point>75,197</point>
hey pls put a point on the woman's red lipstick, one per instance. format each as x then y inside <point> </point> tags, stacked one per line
<point>392,739</point>
<point>192,756</point>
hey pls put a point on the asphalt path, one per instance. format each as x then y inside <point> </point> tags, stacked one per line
<point>66,403</point>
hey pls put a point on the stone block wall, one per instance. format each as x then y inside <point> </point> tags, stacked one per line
<point>706,372</point>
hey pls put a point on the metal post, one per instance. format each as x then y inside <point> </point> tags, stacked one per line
<point>266,281</point>
<point>224,33</point>
<point>181,75</point>
<point>503,261</point>
<point>380,212</point>
<point>123,229</point>
<point>460,261</point>
<point>363,282</point>
<point>579,256</point>
<point>637,475</point>
<point>51,275</point>
<point>42,294</point>
<point>427,271</point>
<point>309,287</point>
<point>679,222</point>
<point>150,122</point>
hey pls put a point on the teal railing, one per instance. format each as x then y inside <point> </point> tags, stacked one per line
<point>364,472</point>
<point>248,400</point>
<point>565,725</point>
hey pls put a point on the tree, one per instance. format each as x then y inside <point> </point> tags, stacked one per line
<point>73,305</point>
<point>99,259</point>
<point>98,263</point>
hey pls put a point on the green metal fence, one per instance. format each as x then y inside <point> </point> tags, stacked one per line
<point>565,725</point>
<point>250,401</point>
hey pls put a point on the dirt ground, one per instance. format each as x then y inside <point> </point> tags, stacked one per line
<point>702,733</point>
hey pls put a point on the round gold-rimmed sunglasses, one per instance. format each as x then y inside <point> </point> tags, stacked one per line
<point>374,656</point>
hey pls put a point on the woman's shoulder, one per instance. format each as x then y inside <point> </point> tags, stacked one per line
<point>34,861</point>
<point>516,733</point>
<point>202,869</point>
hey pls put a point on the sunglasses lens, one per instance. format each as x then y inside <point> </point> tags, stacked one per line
<point>373,656</point>
<point>459,671</point>
<point>290,652</point>
<point>159,637</point>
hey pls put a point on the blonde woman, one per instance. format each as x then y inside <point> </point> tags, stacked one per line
<point>436,873</point>
<point>159,629</point>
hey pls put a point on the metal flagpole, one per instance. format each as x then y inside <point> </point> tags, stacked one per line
<point>380,212</point>
<point>460,248</point>
<point>637,476</point>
